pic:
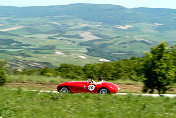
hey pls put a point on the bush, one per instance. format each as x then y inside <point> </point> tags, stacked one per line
<point>2,73</point>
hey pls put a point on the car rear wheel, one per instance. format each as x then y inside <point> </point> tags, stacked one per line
<point>64,90</point>
<point>104,91</point>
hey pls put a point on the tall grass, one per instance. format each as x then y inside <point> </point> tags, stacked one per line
<point>36,79</point>
<point>20,104</point>
<point>53,80</point>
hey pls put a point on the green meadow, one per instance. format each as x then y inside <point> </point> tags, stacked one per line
<point>24,104</point>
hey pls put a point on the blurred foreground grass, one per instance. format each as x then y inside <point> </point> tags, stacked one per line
<point>21,104</point>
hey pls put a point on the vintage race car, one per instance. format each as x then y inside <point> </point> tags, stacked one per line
<point>87,87</point>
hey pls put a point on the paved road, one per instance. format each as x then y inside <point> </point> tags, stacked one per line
<point>153,95</point>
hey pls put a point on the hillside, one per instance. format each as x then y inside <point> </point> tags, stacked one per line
<point>81,33</point>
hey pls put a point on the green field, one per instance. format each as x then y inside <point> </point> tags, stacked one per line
<point>17,104</point>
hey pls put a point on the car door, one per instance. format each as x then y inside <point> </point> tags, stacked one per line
<point>84,87</point>
<point>79,87</point>
<point>90,88</point>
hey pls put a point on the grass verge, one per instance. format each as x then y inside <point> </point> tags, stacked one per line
<point>35,79</point>
<point>22,104</point>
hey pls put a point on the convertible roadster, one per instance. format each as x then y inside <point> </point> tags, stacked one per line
<point>87,87</point>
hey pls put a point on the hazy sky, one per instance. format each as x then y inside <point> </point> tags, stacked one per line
<point>126,3</point>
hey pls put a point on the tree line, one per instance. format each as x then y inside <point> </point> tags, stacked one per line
<point>122,69</point>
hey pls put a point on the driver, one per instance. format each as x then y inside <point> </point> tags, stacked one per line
<point>91,81</point>
<point>100,80</point>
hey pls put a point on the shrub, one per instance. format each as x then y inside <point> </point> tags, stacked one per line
<point>2,73</point>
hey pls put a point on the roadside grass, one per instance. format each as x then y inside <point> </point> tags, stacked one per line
<point>127,81</point>
<point>22,104</point>
<point>35,79</point>
<point>38,82</point>
<point>56,80</point>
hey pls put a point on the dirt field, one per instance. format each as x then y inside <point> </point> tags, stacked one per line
<point>88,36</point>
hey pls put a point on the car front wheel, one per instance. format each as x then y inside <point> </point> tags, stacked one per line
<point>103,91</point>
<point>64,90</point>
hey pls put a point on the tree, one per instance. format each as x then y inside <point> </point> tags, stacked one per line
<point>90,70</point>
<point>46,71</point>
<point>159,69</point>
<point>107,70</point>
<point>2,73</point>
<point>71,71</point>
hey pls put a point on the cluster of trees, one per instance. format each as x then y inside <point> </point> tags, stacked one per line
<point>157,69</point>
<point>122,69</point>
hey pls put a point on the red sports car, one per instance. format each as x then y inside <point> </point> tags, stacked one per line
<point>87,87</point>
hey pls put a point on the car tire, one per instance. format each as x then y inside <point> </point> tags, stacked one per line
<point>103,91</point>
<point>64,90</point>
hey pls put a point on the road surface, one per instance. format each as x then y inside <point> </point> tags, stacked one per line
<point>153,95</point>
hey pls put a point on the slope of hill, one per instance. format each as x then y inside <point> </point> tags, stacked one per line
<point>81,33</point>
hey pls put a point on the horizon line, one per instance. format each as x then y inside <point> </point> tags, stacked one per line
<point>84,3</point>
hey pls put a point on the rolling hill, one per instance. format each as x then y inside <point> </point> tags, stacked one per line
<point>81,33</point>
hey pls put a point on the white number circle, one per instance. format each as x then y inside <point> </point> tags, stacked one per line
<point>91,87</point>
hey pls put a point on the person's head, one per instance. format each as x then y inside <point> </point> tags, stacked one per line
<point>90,77</point>
<point>100,79</point>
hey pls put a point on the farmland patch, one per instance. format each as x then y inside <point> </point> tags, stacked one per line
<point>88,36</point>
<point>12,28</point>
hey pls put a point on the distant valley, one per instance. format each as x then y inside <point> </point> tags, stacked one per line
<point>81,33</point>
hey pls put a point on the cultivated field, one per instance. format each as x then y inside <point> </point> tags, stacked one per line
<point>27,40</point>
